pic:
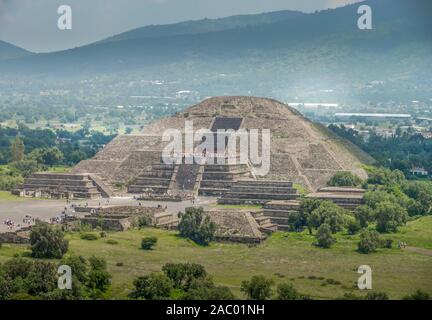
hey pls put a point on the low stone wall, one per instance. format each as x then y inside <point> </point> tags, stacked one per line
<point>18,237</point>
<point>108,224</point>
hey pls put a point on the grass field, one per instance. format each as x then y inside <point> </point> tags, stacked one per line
<point>6,196</point>
<point>283,257</point>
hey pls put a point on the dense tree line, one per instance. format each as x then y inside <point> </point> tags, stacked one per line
<point>389,202</point>
<point>402,151</point>
<point>24,150</point>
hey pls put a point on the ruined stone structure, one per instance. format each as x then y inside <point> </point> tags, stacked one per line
<point>348,198</point>
<point>63,185</point>
<point>301,152</point>
<point>121,218</point>
<point>236,226</point>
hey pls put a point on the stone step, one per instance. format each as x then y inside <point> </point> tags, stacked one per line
<point>170,224</point>
<point>234,201</point>
<point>279,220</point>
<point>282,227</point>
<point>256,195</point>
<point>268,228</point>
<point>263,220</point>
<point>60,176</point>
<point>104,188</point>
<point>216,183</point>
<point>163,167</point>
<point>257,214</point>
<point>263,189</point>
<point>283,205</point>
<point>154,183</point>
<point>278,213</point>
<point>268,183</point>
<point>225,167</point>
<point>153,189</point>
<point>212,192</point>
<point>92,189</point>
<point>156,174</point>
<point>65,182</point>
<point>214,175</point>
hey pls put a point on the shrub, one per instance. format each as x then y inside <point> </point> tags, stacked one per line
<point>112,241</point>
<point>369,241</point>
<point>388,243</point>
<point>155,286</point>
<point>345,179</point>
<point>47,241</point>
<point>353,227</point>
<point>102,234</point>
<point>324,236</point>
<point>88,236</point>
<point>377,296</point>
<point>8,183</point>
<point>195,226</point>
<point>418,295</point>
<point>148,243</point>
<point>257,288</point>
<point>143,221</point>
<point>286,291</point>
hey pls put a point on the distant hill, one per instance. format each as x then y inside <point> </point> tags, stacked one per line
<point>205,25</point>
<point>264,57</point>
<point>9,51</point>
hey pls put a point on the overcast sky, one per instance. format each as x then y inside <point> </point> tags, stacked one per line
<point>32,24</point>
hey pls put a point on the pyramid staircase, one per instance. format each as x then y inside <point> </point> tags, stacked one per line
<point>258,192</point>
<point>155,181</point>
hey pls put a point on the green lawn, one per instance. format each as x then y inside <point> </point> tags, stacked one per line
<point>6,196</point>
<point>283,257</point>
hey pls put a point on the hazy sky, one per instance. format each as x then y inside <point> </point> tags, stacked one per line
<point>32,24</point>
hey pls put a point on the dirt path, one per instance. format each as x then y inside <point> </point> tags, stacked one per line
<point>423,251</point>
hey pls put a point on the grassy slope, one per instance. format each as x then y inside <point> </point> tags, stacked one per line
<point>284,256</point>
<point>6,196</point>
<point>361,155</point>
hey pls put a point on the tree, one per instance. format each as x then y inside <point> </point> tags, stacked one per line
<point>286,291</point>
<point>42,278</point>
<point>324,236</point>
<point>47,241</point>
<point>25,167</point>
<point>257,288</point>
<point>182,274</point>
<point>98,280</point>
<point>307,206</point>
<point>344,179</point>
<point>17,149</point>
<point>363,215</point>
<point>369,241</point>
<point>47,156</point>
<point>148,243</point>
<point>155,286</point>
<point>389,216</point>
<point>205,289</point>
<point>329,213</point>
<point>353,226</point>
<point>197,227</point>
